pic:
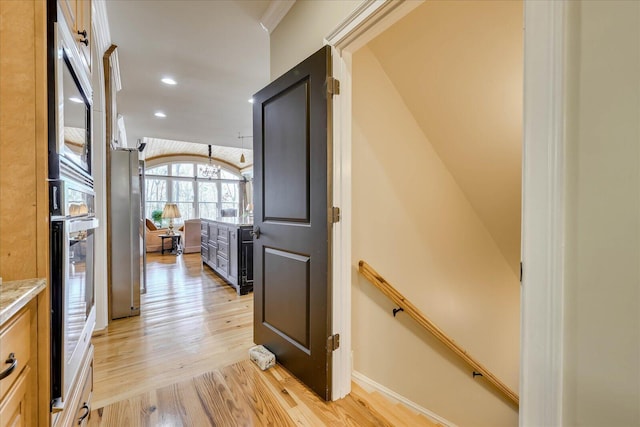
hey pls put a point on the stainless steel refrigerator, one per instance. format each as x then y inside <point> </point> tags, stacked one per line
<point>126,228</point>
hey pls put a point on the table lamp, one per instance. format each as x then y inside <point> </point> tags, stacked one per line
<point>170,211</point>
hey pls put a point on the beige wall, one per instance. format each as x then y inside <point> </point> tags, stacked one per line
<point>413,223</point>
<point>602,299</point>
<point>459,68</point>
<point>303,29</point>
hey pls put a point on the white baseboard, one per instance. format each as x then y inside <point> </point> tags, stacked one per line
<point>370,385</point>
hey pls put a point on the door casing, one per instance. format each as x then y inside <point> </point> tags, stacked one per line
<point>543,198</point>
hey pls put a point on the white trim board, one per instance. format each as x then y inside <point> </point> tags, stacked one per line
<point>543,215</point>
<point>370,385</point>
<point>542,305</point>
<point>367,21</point>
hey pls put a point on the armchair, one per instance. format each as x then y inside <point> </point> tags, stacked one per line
<point>191,236</point>
<point>153,240</point>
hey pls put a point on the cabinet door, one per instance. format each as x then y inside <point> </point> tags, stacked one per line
<point>77,15</point>
<point>213,233</point>
<point>213,254</point>
<point>69,10</point>
<point>233,256</point>
<point>13,410</point>
<point>14,340</point>
<point>223,233</point>
<point>246,261</point>
<point>84,406</point>
<point>83,30</point>
<point>223,267</point>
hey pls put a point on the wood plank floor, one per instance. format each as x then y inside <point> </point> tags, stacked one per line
<point>184,362</point>
<point>242,395</point>
<point>191,322</point>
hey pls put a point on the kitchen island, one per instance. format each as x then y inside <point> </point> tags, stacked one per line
<point>227,247</point>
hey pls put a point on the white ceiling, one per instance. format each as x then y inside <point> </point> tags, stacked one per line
<point>215,49</point>
<point>458,67</point>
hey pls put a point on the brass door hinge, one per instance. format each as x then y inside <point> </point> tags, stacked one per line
<point>333,86</point>
<point>333,343</point>
<point>335,214</point>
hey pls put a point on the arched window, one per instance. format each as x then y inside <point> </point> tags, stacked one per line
<point>184,183</point>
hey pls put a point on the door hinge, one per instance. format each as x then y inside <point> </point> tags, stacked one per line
<point>333,86</point>
<point>335,214</point>
<point>333,343</point>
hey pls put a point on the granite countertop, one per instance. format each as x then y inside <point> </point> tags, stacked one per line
<point>16,294</point>
<point>233,220</point>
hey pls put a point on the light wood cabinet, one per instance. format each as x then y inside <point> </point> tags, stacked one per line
<point>77,15</point>
<point>24,202</point>
<point>14,411</point>
<point>18,389</point>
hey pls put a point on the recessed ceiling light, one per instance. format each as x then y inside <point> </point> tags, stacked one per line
<point>251,100</point>
<point>76,100</point>
<point>160,114</point>
<point>168,81</point>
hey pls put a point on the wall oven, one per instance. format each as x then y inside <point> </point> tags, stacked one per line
<point>73,226</point>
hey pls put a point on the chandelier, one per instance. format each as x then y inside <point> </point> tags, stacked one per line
<point>210,171</point>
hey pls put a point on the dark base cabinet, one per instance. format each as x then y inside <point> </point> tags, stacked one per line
<point>227,247</point>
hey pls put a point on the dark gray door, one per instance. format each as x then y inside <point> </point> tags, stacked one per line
<point>291,253</point>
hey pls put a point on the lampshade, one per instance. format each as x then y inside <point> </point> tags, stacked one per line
<point>171,211</point>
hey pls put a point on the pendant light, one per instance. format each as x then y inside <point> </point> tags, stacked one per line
<point>242,159</point>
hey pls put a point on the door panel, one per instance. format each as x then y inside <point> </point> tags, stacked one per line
<point>286,157</point>
<point>291,254</point>
<point>286,300</point>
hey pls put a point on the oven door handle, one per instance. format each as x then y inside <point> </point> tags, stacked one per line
<point>83,224</point>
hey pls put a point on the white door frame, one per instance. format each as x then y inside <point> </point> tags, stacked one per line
<point>368,20</point>
<point>542,207</point>
<point>543,214</point>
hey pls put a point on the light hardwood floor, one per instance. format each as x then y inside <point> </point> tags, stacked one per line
<point>191,322</point>
<point>184,362</point>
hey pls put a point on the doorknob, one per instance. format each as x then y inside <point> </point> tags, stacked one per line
<point>255,232</point>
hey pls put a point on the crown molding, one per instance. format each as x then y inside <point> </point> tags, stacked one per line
<point>274,14</point>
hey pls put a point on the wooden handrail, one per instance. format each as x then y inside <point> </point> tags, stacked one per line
<point>395,296</point>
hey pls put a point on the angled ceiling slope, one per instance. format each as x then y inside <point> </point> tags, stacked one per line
<point>458,67</point>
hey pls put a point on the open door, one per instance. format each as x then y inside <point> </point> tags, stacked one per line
<point>292,240</point>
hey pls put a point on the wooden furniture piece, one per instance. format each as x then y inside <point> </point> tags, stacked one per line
<point>175,243</point>
<point>19,344</point>
<point>17,387</point>
<point>152,239</point>
<point>24,199</point>
<point>77,16</point>
<point>227,247</point>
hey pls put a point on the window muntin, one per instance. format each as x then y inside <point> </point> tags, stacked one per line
<point>208,201</point>
<point>158,170</point>
<point>182,169</point>
<point>156,195</point>
<point>197,197</point>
